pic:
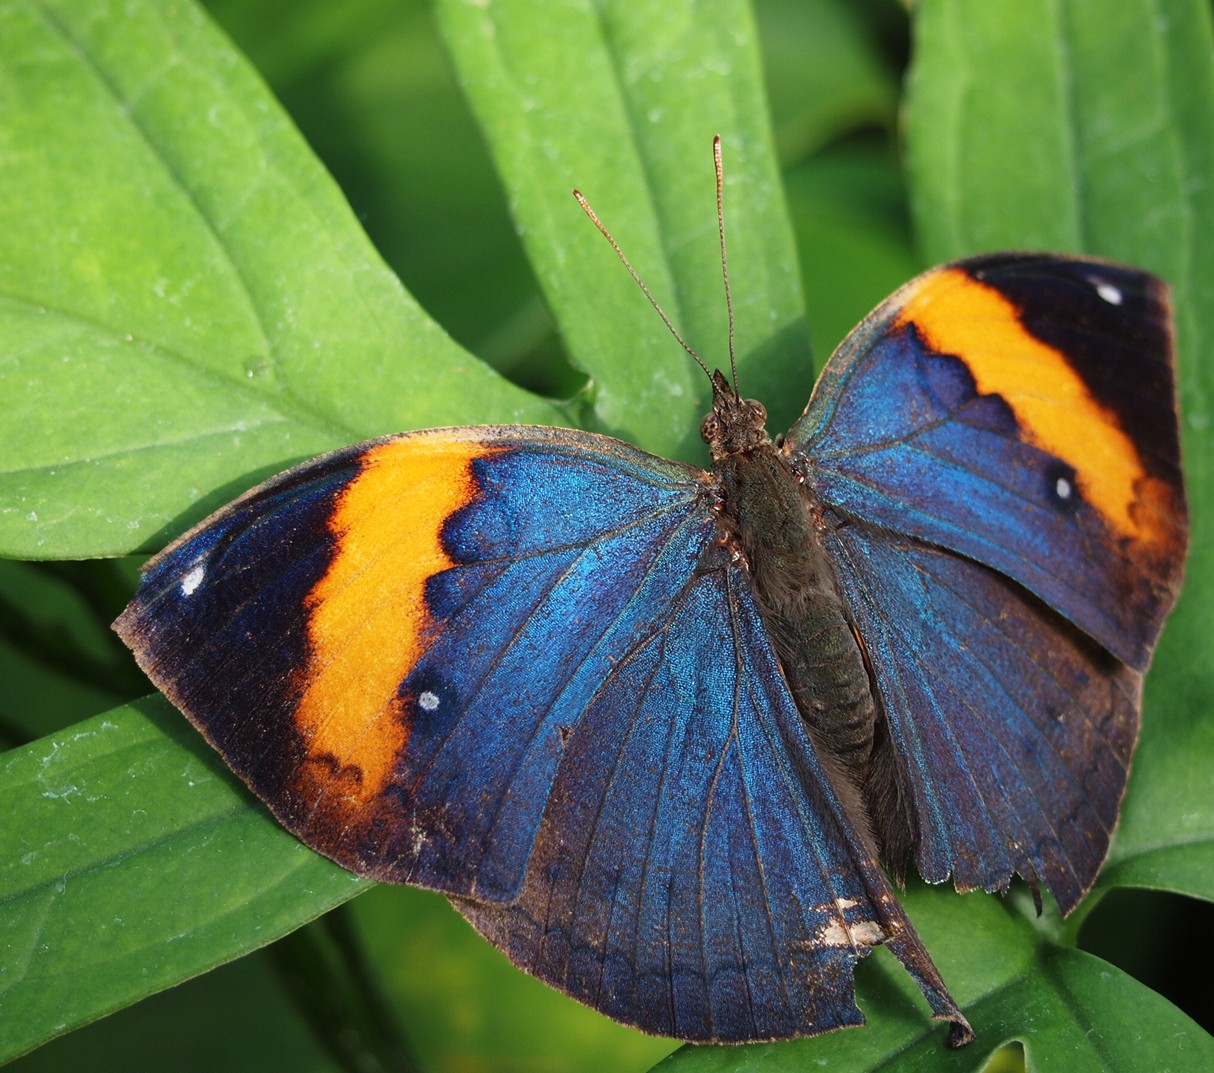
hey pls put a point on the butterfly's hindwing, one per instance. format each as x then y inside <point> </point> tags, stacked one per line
<point>1016,730</point>
<point>693,864</point>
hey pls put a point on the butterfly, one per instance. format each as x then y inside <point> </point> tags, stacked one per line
<point>669,737</point>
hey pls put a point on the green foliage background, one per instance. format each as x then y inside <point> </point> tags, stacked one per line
<point>188,302</point>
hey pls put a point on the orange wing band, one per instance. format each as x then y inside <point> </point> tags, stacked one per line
<point>368,621</point>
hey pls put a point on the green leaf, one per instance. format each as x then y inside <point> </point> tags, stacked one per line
<point>59,660</point>
<point>1083,98</point>
<point>622,100</point>
<point>187,302</point>
<point>236,1018</point>
<point>1165,840</point>
<point>371,87</point>
<point>129,861</point>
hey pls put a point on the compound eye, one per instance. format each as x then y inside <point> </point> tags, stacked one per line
<point>757,410</point>
<point>710,428</point>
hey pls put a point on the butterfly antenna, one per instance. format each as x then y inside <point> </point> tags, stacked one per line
<point>581,200</point>
<point>716,159</point>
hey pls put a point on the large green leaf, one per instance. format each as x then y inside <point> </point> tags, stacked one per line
<point>129,861</point>
<point>371,87</point>
<point>187,303</point>
<point>235,1018</point>
<point>623,99</point>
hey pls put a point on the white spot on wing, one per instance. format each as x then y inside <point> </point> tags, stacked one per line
<point>867,933</point>
<point>1108,292</point>
<point>1062,488</point>
<point>862,933</point>
<point>190,583</point>
<point>427,701</point>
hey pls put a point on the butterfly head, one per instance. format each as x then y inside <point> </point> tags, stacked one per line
<point>734,426</point>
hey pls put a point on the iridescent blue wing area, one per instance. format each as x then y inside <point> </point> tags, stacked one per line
<point>1015,728</point>
<point>691,866</point>
<point>516,665</point>
<point>996,449</point>
<point>1021,411</point>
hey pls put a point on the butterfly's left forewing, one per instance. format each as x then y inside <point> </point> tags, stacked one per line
<point>516,665</point>
<point>386,642</point>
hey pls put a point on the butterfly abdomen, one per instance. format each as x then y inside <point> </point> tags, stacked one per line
<point>767,516</point>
